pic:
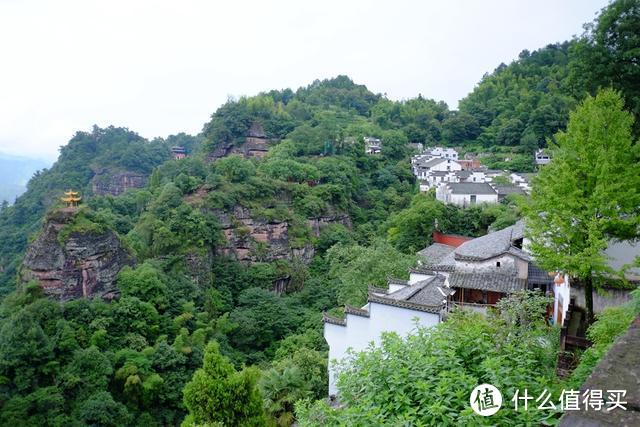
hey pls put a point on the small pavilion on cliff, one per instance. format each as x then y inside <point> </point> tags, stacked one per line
<point>71,198</point>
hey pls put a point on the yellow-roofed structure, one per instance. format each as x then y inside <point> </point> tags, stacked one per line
<point>71,198</point>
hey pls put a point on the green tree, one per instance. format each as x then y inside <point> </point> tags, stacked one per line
<point>608,54</point>
<point>589,193</point>
<point>218,394</point>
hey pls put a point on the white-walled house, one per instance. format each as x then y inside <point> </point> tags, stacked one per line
<point>425,166</point>
<point>542,157</point>
<point>454,272</point>
<point>422,299</point>
<point>522,181</point>
<point>466,193</point>
<point>447,153</point>
<point>372,145</point>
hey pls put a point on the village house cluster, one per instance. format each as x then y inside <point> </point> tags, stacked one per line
<point>463,182</point>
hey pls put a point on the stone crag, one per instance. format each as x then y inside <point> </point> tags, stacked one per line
<point>85,266</point>
<point>113,183</point>
<point>251,239</point>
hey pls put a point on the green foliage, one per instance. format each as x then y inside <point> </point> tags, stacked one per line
<point>527,97</point>
<point>607,54</point>
<point>609,325</point>
<point>83,222</point>
<point>217,393</point>
<point>410,230</point>
<point>576,207</point>
<point>355,267</point>
<point>144,282</point>
<point>426,378</point>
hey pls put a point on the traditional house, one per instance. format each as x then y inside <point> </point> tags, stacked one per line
<point>468,164</point>
<point>178,152</point>
<point>542,157</point>
<point>372,145</point>
<point>504,190</point>
<point>483,270</point>
<point>522,180</point>
<point>396,309</point>
<point>445,153</point>
<point>466,194</point>
<point>455,272</point>
<point>423,166</point>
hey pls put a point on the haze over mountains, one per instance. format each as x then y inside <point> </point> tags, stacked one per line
<point>15,172</point>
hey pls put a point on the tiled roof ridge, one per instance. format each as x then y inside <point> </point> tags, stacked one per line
<point>333,320</point>
<point>395,281</point>
<point>349,309</point>
<point>404,304</point>
<point>378,290</point>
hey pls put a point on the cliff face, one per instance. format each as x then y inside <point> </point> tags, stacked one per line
<point>250,239</point>
<point>256,144</point>
<point>112,183</point>
<point>85,266</point>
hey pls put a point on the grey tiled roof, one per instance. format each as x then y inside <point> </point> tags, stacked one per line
<point>435,253</point>
<point>537,276</point>
<point>487,282</point>
<point>426,295</point>
<point>434,161</point>
<point>508,189</point>
<point>471,188</point>
<point>491,245</point>
<point>464,173</point>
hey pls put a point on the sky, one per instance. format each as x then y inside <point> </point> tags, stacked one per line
<point>163,67</point>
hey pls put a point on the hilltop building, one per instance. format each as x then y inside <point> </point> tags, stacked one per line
<point>372,145</point>
<point>542,157</point>
<point>71,198</point>
<point>178,152</point>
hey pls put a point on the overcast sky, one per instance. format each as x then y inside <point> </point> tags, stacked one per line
<point>162,67</point>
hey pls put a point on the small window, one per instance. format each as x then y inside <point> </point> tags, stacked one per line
<point>498,264</point>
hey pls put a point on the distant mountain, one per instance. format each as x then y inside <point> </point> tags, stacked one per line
<point>15,172</point>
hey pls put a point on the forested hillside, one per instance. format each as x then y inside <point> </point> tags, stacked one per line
<point>275,215</point>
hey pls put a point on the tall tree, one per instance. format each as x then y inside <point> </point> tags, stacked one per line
<point>219,395</point>
<point>608,54</point>
<point>589,194</point>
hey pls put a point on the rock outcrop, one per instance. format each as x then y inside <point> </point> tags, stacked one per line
<point>252,240</point>
<point>256,144</point>
<point>84,266</point>
<point>106,182</point>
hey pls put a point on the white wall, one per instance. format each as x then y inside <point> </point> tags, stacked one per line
<point>508,265</point>
<point>561,297</point>
<point>360,331</point>
<point>447,165</point>
<point>465,199</point>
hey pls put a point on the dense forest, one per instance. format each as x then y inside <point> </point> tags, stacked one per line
<point>195,325</point>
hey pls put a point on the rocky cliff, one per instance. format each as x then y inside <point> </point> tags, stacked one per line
<point>84,264</point>
<point>251,239</point>
<point>107,182</point>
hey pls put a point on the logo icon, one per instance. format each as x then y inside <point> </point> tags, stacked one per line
<point>485,400</point>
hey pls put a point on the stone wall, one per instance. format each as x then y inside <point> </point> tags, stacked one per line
<point>608,297</point>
